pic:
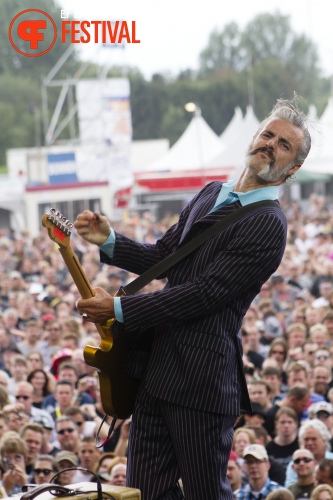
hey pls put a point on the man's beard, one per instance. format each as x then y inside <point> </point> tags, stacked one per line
<point>270,173</point>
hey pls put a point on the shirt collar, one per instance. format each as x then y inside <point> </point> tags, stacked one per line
<point>265,193</point>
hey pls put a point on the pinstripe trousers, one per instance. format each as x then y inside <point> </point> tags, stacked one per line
<point>168,442</point>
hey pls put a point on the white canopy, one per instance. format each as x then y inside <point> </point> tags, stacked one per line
<point>320,159</point>
<point>192,150</point>
<point>236,137</point>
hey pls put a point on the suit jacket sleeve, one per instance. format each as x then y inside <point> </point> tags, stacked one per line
<point>244,257</point>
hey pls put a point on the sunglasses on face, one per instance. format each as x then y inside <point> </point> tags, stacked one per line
<point>46,472</point>
<point>322,356</point>
<point>22,397</point>
<point>306,460</point>
<point>62,431</point>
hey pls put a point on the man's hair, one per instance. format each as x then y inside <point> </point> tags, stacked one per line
<point>288,110</point>
<point>64,382</point>
<point>318,426</point>
<point>326,464</point>
<point>298,392</point>
<point>286,410</point>
<point>296,368</point>
<point>11,442</point>
<point>68,366</point>
<point>75,410</point>
<point>65,418</point>
<point>31,427</point>
<point>328,315</point>
<point>272,370</point>
<point>296,326</point>
<point>51,460</point>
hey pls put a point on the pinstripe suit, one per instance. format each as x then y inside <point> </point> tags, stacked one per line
<point>195,373</point>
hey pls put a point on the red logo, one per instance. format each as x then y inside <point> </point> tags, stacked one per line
<point>32,33</point>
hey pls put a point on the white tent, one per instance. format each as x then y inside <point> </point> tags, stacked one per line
<point>239,135</point>
<point>192,150</point>
<point>320,159</point>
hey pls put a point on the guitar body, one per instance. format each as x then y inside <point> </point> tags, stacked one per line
<point>118,390</point>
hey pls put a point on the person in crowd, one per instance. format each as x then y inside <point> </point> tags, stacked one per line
<point>31,340</point>
<point>18,371</point>
<point>243,437</point>
<point>41,383</point>
<point>118,475</point>
<point>314,436</point>
<point>304,465</point>
<point>88,457</point>
<point>297,398</point>
<point>234,472</point>
<point>68,371</point>
<point>285,441</point>
<point>64,395</point>
<point>66,460</point>
<point>309,350</point>
<point>324,472</point>
<point>48,446</point>
<point>322,492</point>
<point>32,435</point>
<point>52,341</point>
<point>259,392</point>
<point>104,462</point>
<point>319,335</point>
<point>327,321</point>
<point>322,411</point>
<point>68,435</point>
<point>256,466</point>
<point>13,454</point>
<point>272,375</point>
<point>24,395</point>
<point>321,379</point>
<point>280,494</point>
<point>276,152</point>
<point>45,468</point>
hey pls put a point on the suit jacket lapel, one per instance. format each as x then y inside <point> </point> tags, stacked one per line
<point>207,220</point>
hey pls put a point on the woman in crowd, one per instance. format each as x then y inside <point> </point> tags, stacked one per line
<point>322,492</point>
<point>41,384</point>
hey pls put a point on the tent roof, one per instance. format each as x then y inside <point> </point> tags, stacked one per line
<point>233,154</point>
<point>192,150</point>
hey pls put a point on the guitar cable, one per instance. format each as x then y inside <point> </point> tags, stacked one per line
<point>111,428</point>
<point>59,491</point>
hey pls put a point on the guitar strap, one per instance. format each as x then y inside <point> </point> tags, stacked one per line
<point>162,266</point>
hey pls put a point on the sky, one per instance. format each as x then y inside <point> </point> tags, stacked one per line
<point>174,32</point>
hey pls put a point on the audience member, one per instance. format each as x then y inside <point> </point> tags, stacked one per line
<point>45,468</point>
<point>303,463</point>
<point>324,472</point>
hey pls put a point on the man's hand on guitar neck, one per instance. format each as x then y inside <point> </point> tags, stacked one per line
<point>93,227</point>
<point>97,309</point>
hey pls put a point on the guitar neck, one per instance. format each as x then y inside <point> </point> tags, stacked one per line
<point>80,279</point>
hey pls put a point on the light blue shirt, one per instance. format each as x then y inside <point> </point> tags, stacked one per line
<point>226,196</point>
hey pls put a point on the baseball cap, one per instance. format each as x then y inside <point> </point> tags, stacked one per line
<point>257,451</point>
<point>233,456</point>
<point>67,455</point>
<point>316,408</point>
<point>42,421</point>
<point>15,274</point>
<point>257,409</point>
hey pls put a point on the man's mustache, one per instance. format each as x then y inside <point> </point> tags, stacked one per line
<point>265,150</point>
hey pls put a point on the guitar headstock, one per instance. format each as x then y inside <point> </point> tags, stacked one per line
<point>58,227</point>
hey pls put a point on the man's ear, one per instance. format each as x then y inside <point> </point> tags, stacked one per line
<point>294,169</point>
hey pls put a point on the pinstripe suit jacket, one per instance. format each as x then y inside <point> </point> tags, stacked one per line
<point>196,355</point>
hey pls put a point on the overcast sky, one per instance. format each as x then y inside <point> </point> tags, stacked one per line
<point>173,32</point>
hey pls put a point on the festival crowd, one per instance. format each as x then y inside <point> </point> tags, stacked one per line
<point>51,412</point>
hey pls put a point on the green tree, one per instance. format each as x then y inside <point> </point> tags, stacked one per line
<point>16,63</point>
<point>223,50</point>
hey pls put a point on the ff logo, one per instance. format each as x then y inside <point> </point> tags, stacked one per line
<point>29,34</point>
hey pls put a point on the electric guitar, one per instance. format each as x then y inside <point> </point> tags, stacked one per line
<point>118,390</point>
